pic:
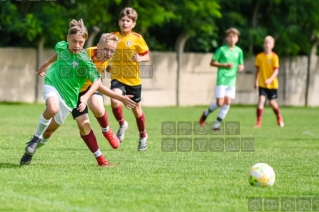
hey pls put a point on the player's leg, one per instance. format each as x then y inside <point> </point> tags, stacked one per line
<point>224,100</point>
<point>225,105</point>
<point>260,106</point>
<point>219,94</point>
<point>96,105</point>
<point>136,92</point>
<point>87,134</point>
<point>118,88</point>
<point>272,101</point>
<point>52,107</point>
<point>54,102</point>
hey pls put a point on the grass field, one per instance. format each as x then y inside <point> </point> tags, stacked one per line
<point>64,176</point>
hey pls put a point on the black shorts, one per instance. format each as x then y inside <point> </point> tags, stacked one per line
<point>269,93</point>
<point>128,90</point>
<point>75,112</point>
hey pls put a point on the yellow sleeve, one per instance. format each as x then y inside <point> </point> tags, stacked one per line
<point>142,48</point>
<point>257,63</point>
<point>276,62</point>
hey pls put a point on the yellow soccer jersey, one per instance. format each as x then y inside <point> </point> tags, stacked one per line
<point>124,69</point>
<point>266,65</point>
<point>92,52</point>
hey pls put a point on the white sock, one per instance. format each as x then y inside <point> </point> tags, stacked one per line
<point>42,126</point>
<point>44,141</point>
<point>98,153</point>
<point>223,111</point>
<point>105,129</point>
<point>211,108</point>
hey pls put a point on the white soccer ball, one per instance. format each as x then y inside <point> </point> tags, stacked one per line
<point>261,174</point>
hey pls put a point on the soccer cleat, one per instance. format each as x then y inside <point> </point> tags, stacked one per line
<point>202,119</point>
<point>111,137</point>
<point>32,145</point>
<point>121,132</point>
<point>101,161</point>
<point>26,159</point>
<point>142,143</point>
<point>280,121</point>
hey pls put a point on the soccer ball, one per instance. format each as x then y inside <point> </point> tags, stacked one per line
<point>261,174</point>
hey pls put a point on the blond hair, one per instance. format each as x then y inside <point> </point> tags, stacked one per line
<point>270,38</point>
<point>77,27</point>
<point>232,31</point>
<point>129,12</point>
<point>108,37</point>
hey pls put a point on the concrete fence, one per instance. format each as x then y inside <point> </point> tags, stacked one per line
<point>197,81</point>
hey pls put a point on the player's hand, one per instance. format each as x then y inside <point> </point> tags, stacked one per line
<point>240,67</point>
<point>83,103</point>
<point>108,68</point>
<point>136,57</point>
<point>41,71</point>
<point>129,103</point>
<point>256,85</point>
<point>268,81</point>
<point>228,65</point>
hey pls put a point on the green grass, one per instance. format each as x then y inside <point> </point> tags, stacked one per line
<point>64,176</point>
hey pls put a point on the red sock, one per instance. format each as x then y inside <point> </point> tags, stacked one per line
<point>141,125</point>
<point>118,114</point>
<point>276,111</point>
<point>103,120</point>
<point>259,113</point>
<point>90,141</point>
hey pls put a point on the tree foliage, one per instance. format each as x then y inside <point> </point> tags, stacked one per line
<point>294,24</point>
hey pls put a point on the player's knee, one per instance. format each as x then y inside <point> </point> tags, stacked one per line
<point>52,110</point>
<point>85,128</point>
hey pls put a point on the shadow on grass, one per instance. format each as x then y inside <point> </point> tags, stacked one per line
<point>9,165</point>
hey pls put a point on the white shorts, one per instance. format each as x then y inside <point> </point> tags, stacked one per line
<point>223,90</point>
<point>64,110</point>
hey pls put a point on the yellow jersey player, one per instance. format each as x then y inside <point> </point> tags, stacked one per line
<point>267,65</point>
<point>126,76</point>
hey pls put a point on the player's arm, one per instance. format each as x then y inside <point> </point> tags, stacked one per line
<point>241,67</point>
<point>220,65</point>
<point>95,85</point>
<point>272,77</point>
<point>141,58</point>
<point>125,99</point>
<point>44,66</point>
<point>256,77</point>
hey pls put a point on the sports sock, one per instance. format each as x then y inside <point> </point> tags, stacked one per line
<point>103,121</point>
<point>90,141</point>
<point>223,111</point>
<point>141,125</point>
<point>211,108</point>
<point>276,111</point>
<point>118,114</point>
<point>259,113</point>
<point>44,141</point>
<point>98,153</point>
<point>42,126</point>
<point>217,123</point>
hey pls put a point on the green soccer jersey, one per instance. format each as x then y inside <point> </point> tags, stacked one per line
<point>227,76</point>
<point>69,73</point>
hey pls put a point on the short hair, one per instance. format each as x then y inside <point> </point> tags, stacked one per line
<point>129,12</point>
<point>232,31</point>
<point>108,37</point>
<point>269,38</point>
<point>77,27</point>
